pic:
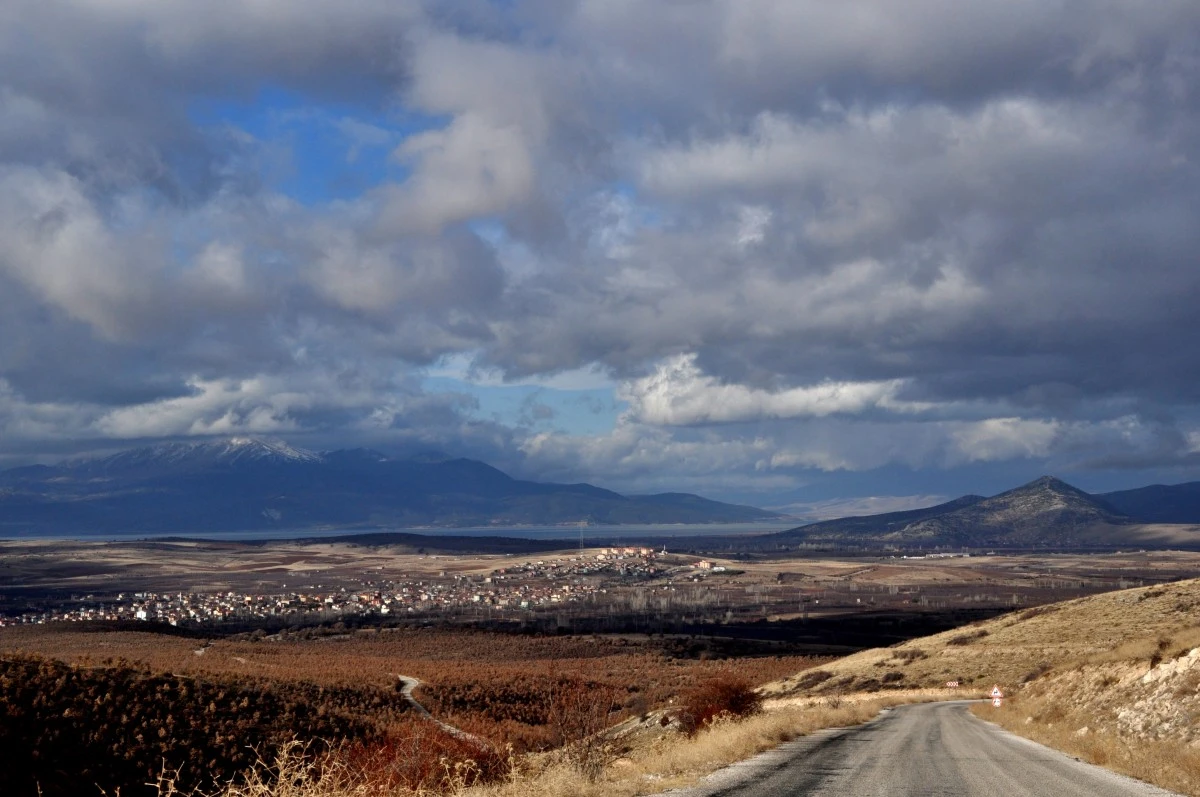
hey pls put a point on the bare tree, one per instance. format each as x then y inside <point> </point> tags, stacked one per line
<point>579,712</point>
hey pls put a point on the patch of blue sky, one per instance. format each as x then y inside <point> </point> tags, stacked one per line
<point>590,411</point>
<point>317,151</point>
<point>517,258</point>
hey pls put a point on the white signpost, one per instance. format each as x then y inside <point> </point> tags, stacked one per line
<point>997,696</point>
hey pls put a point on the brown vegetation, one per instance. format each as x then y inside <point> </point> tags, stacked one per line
<point>671,760</point>
<point>518,693</point>
<point>718,698</point>
<point>498,686</point>
<point>117,727</point>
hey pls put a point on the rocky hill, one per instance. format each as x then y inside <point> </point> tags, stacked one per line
<point>1046,513</point>
<point>871,527</point>
<point>244,484</point>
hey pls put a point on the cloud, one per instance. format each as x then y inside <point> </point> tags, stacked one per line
<point>867,505</point>
<point>1006,438</point>
<point>678,393</point>
<point>793,238</point>
<point>470,169</point>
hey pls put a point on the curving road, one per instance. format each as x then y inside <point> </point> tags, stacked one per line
<point>930,750</point>
<point>408,684</point>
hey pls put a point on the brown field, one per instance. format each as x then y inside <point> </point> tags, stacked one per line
<point>216,566</point>
<point>492,684</point>
<point>747,589</point>
<point>209,566</point>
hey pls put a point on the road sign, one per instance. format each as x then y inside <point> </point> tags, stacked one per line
<point>996,693</point>
<point>951,684</point>
<point>997,701</point>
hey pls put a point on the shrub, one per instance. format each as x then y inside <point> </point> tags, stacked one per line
<point>813,678</point>
<point>117,727</point>
<point>967,638</point>
<point>578,712</point>
<point>1037,672</point>
<point>421,757</point>
<point>721,696</point>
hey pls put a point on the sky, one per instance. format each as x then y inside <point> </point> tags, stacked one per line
<point>784,252</point>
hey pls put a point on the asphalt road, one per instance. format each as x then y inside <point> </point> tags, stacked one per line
<point>931,750</point>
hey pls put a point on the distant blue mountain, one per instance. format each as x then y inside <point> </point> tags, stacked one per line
<point>246,484</point>
<point>1159,503</point>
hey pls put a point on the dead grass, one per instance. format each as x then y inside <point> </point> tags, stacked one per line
<point>1111,627</point>
<point>674,760</point>
<point>1113,679</point>
<point>665,760</point>
<point>1170,764</point>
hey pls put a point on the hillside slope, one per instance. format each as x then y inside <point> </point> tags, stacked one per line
<point>1009,649</point>
<point>1111,678</point>
<point>872,526</point>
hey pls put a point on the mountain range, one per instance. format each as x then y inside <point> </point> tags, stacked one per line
<point>254,485</point>
<point>246,484</point>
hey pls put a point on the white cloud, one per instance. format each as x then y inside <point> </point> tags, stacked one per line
<point>752,224</point>
<point>471,168</point>
<point>678,393</point>
<point>216,407</point>
<point>55,241</point>
<point>1005,438</point>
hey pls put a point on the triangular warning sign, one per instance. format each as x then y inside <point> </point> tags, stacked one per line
<point>996,692</point>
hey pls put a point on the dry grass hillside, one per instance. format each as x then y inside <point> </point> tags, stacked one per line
<point>1113,679</point>
<point>1017,647</point>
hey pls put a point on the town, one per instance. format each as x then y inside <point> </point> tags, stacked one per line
<point>517,587</point>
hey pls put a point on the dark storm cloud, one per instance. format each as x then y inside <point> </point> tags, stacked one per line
<point>801,235</point>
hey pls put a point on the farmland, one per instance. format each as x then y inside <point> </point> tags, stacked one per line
<point>317,641</point>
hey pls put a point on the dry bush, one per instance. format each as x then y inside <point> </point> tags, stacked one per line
<point>720,697</point>
<point>420,757</point>
<point>909,655</point>
<point>813,678</point>
<point>578,712</point>
<point>1035,611</point>
<point>968,637</point>
<point>116,727</point>
<point>494,685</point>
<point>1037,672</point>
<point>680,760</point>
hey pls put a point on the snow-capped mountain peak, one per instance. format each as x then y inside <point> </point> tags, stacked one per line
<point>258,448</point>
<point>231,452</point>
